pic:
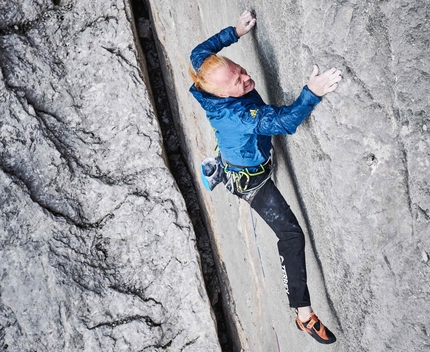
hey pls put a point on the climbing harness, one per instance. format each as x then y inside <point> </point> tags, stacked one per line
<point>239,178</point>
<point>236,178</point>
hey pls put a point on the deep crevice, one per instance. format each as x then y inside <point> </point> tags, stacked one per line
<point>179,168</point>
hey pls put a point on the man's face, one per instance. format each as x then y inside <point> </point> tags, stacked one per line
<point>232,80</point>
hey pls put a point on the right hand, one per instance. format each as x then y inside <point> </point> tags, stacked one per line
<point>324,83</point>
<point>245,22</point>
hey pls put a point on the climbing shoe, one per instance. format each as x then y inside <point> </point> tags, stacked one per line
<point>316,329</point>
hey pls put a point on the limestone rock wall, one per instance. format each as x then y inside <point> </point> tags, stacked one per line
<point>97,252</point>
<point>355,173</point>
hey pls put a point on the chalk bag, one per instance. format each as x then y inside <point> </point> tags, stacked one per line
<point>212,172</point>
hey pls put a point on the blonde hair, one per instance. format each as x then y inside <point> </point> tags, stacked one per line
<point>209,65</point>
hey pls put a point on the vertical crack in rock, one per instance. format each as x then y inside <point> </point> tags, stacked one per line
<point>179,168</point>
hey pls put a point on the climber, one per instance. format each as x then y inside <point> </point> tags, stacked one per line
<point>243,126</point>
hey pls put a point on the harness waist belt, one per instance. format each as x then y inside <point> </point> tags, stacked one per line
<point>225,162</point>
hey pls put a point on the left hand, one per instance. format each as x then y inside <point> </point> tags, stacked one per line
<point>244,24</point>
<point>324,83</point>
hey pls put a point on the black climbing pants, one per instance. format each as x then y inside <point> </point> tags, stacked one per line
<point>272,207</point>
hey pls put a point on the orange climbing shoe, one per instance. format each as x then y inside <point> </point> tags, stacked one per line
<point>316,329</point>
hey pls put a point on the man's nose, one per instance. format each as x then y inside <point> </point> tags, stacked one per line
<point>245,77</point>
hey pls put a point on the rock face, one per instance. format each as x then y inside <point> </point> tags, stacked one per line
<point>97,250</point>
<point>359,165</point>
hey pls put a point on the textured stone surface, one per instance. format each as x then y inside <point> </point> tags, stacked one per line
<point>359,165</point>
<point>97,250</point>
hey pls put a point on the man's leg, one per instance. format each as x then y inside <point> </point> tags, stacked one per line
<point>272,207</point>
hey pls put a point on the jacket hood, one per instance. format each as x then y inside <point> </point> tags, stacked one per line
<point>212,103</point>
<point>208,101</point>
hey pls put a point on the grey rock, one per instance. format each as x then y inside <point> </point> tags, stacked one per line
<point>97,249</point>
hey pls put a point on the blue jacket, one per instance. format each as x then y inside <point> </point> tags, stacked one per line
<point>244,126</point>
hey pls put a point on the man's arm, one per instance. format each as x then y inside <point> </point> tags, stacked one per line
<point>224,38</point>
<point>273,120</point>
<point>211,46</point>
<point>285,119</point>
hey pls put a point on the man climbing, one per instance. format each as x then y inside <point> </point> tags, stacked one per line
<point>243,126</point>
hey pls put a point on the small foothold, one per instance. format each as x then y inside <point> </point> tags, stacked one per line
<point>371,159</point>
<point>425,257</point>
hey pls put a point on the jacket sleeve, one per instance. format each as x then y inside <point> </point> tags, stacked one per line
<point>212,45</point>
<point>272,120</point>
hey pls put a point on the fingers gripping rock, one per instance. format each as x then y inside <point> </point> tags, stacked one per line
<point>245,23</point>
